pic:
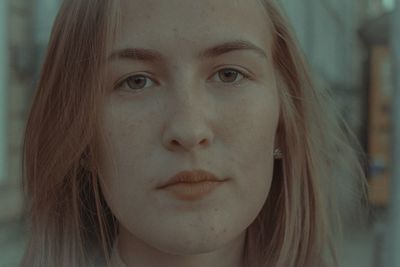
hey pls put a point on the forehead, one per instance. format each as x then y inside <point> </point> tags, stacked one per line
<point>176,25</point>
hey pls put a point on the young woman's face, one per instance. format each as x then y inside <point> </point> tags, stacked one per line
<point>177,108</point>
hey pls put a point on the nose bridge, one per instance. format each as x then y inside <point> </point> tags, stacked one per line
<point>186,99</point>
<point>186,91</point>
<point>187,106</point>
<point>186,125</point>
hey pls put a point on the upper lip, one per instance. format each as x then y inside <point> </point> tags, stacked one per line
<point>194,176</point>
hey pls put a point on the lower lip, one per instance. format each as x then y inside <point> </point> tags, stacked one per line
<point>192,191</point>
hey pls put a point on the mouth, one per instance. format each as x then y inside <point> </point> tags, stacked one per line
<point>192,185</point>
<point>191,177</point>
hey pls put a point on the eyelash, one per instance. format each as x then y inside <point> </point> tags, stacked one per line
<point>245,77</point>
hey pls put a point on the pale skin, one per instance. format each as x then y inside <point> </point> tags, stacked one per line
<point>182,113</point>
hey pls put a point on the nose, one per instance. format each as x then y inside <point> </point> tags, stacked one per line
<point>188,128</point>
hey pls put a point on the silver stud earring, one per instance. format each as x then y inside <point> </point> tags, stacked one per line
<point>278,154</point>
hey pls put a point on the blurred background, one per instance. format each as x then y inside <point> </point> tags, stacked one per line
<point>353,49</point>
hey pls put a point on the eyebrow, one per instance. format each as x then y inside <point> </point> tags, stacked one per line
<point>150,55</point>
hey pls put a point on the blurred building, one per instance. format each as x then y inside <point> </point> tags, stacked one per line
<point>28,28</point>
<point>347,46</point>
<point>327,31</point>
<point>333,35</point>
<point>381,34</point>
<point>24,31</point>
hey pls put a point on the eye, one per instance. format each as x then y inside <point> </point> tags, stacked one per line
<point>141,81</point>
<point>136,82</point>
<point>229,75</point>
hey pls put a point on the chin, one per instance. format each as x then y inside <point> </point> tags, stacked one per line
<point>191,248</point>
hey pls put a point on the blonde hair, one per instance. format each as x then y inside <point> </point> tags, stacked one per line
<point>69,220</point>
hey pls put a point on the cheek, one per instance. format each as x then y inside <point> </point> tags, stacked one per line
<point>126,131</point>
<point>253,124</point>
<point>122,142</point>
<point>120,184</point>
<point>252,128</point>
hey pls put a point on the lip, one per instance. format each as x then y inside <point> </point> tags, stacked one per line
<point>191,178</point>
<point>192,191</point>
<point>192,185</point>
